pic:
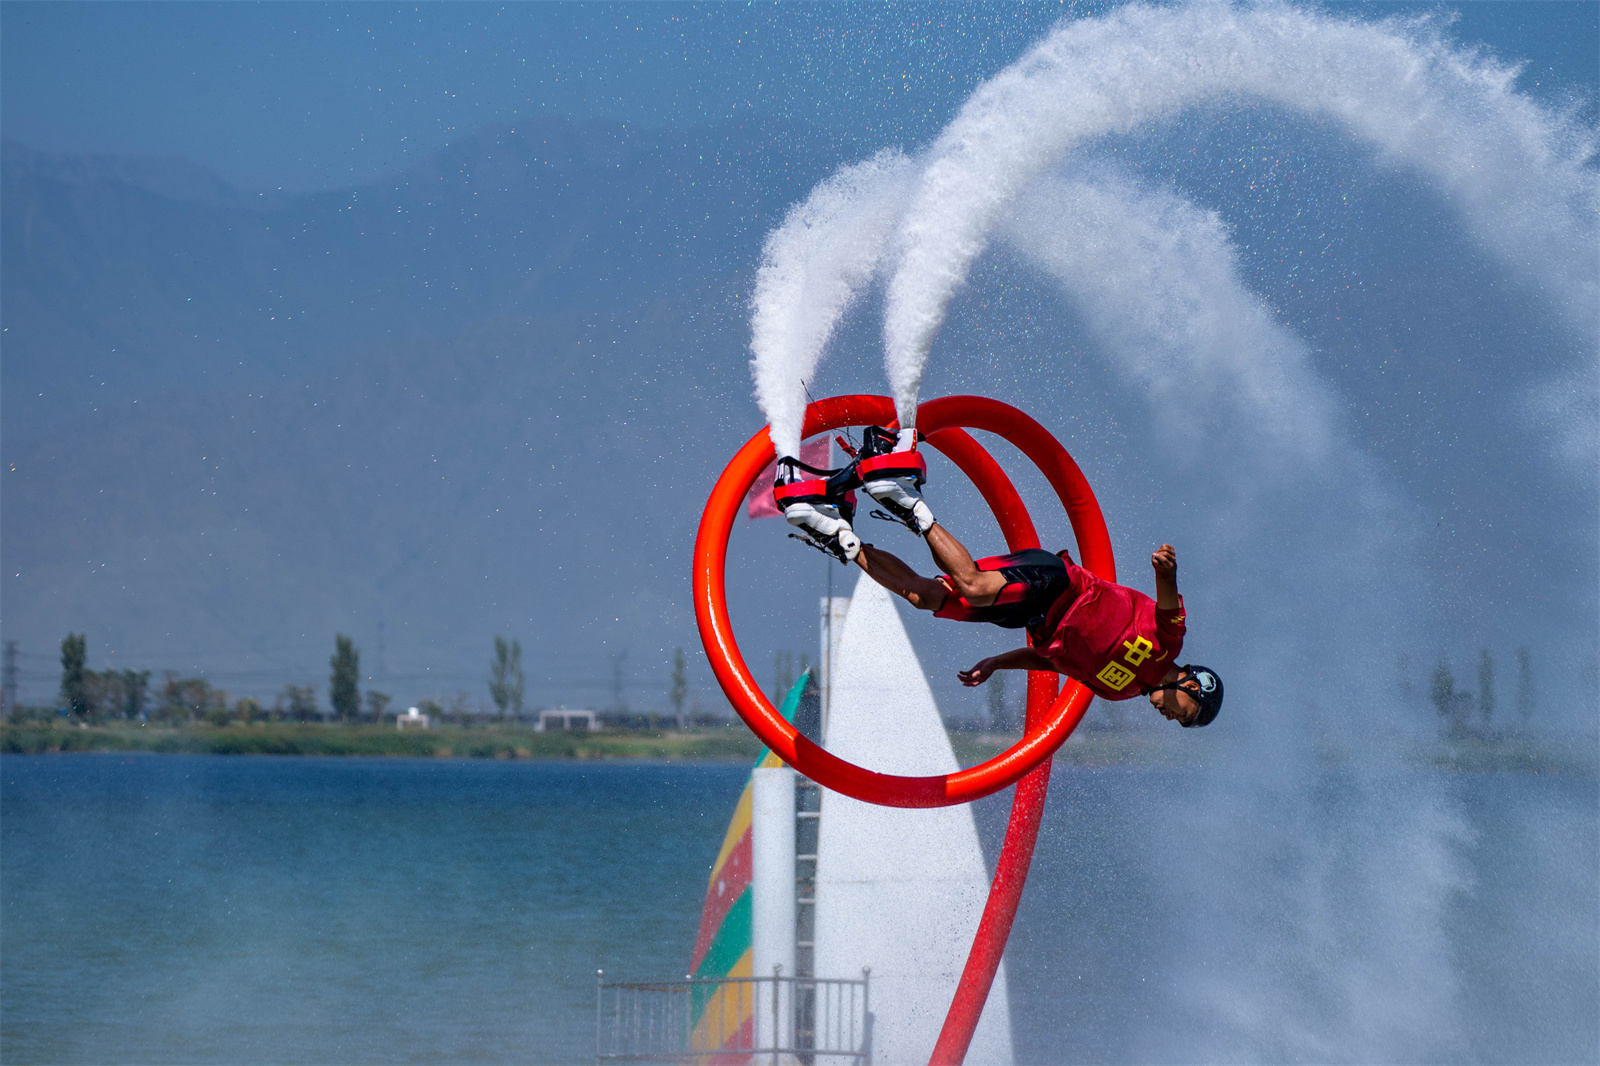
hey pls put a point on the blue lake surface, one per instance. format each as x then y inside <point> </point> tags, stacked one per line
<point>227,909</point>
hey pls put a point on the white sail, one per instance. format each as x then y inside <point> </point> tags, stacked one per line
<point>899,891</point>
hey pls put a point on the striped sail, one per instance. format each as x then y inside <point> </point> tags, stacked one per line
<point>724,1017</point>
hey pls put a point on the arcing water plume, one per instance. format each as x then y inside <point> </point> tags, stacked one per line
<point>812,267</point>
<point>1517,173</point>
<point>1158,283</point>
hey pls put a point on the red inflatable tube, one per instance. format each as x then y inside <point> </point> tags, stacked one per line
<point>1044,735</point>
<point>1044,707</point>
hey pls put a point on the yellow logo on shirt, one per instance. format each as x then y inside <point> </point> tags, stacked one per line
<point>1139,650</point>
<point>1114,676</point>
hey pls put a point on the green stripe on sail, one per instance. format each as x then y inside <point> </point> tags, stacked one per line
<point>732,938</point>
<point>727,947</point>
<point>790,705</point>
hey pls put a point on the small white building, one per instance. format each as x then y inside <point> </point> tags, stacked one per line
<point>413,719</point>
<point>561,718</point>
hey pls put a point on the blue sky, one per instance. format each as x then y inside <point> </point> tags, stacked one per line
<point>310,96</point>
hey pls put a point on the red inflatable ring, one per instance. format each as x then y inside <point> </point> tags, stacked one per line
<point>943,420</point>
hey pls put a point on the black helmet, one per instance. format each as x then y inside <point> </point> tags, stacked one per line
<point>1209,696</point>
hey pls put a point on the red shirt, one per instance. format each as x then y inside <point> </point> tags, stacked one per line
<point>1113,639</point>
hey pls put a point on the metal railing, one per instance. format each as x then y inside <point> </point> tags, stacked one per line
<point>721,1021</point>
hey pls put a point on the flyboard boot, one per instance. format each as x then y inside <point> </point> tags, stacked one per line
<point>821,505</point>
<point>892,472</point>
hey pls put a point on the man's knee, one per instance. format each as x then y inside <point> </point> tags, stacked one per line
<point>973,584</point>
<point>980,587</point>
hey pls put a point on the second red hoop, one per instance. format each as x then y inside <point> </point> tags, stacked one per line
<point>943,420</point>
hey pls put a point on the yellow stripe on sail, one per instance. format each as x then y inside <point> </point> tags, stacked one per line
<point>741,817</point>
<point>725,1012</point>
<point>736,830</point>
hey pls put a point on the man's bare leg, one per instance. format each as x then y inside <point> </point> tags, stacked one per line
<point>923,593</point>
<point>977,587</point>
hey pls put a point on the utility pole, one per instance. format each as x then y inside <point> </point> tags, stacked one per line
<point>618,704</point>
<point>8,682</point>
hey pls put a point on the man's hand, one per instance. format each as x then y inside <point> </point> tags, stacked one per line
<point>1017,659</point>
<point>1164,560</point>
<point>978,674</point>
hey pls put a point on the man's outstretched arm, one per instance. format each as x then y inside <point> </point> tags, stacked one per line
<point>1164,561</point>
<point>1016,659</point>
<point>923,593</point>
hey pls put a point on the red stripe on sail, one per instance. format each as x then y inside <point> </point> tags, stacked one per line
<point>720,896</point>
<point>744,1038</point>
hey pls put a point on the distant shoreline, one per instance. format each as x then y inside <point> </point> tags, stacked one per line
<point>332,739</point>
<point>1523,755</point>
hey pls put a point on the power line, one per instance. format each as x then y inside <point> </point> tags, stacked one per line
<point>8,684</point>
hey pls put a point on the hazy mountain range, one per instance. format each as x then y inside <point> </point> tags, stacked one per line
<point>480,398</point>
<point>489,396</point>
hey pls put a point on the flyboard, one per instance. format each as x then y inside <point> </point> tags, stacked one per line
<point>1051,716</point>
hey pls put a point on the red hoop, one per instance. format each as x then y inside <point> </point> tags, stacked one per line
<point>944,421</point>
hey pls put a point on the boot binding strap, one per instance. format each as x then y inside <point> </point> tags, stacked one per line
<point>895,464</point>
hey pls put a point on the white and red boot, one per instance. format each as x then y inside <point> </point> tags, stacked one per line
<point>892,472</point>
<point>819,505</point>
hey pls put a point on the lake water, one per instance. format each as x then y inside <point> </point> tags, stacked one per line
<point>227,909</point>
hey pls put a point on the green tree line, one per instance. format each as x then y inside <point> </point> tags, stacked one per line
<point>106,695</point>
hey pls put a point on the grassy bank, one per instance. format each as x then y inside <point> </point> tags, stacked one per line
<point>284,738</point>
<point>1525,755</point>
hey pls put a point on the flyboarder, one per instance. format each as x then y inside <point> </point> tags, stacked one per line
<point>1118,642</point>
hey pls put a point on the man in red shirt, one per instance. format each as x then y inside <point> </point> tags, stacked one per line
<point>1113,639</point>
<point>1117,641</point>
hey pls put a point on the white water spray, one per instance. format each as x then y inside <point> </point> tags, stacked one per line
<point>1516,172</point>
<point>812,268</point>
<point>1158,282</point>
